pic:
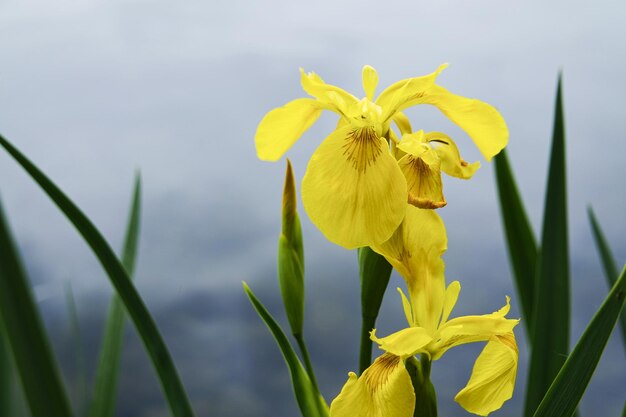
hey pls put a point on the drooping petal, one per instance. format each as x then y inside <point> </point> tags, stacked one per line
<point>353,190</point>
<point>283,126</point>
<point>469,329</point>
<point>451,161</point>
<point>338,99</point>
<point>384,390</point>
<point>415,251</point>
<point>493,377</point>
<point>481,121</point>
<point>403,123</point>
<point>449,301</point>
<point>404,343</point>
<point>370,81</point>
<point>406,93</point>
<point>423,180</point>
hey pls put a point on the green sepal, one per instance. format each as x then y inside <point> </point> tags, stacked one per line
<point>310,403</point>
<point>374,273</point>
<point>569,385</point>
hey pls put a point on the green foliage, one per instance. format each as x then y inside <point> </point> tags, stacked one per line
<point>521,241</point>
<point>374,272</point>
<point>608,263</point>
<point>6,377</point>
<point>144,323</point>
<point>291,257</point>
<point>551,318</point>
<point>26,335</point>
<point>105,388</point>
<point>309,401</point>
<point>570,384</point>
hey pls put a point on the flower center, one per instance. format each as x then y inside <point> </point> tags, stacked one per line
<point>362,148</point>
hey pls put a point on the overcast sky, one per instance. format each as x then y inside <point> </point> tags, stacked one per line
<point>94,90</point>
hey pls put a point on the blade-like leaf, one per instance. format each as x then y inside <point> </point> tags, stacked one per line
<point>551,317</point>
<point>105,388</point>
<point>374,271</point>
<point>26,335</point>
<point>520,238</point>
<point>570,384</point>
<point>310,405</point>
<point>78,391</point>
<point>6,377</point>
<point>608,263</point>
<point>143,321</point>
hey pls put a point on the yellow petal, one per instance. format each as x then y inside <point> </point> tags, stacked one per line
<point>384,390</point>
<point>283,126</point>
<point>449,301</point>
<point>493,377</point>
<point>404,343</point>
<point>423,180</point>
<point>415,251</point>
<point>337,98</point>
<point>469,329</point>
<point>402,122</point>
<point>353,190</point>
<point>451,161</point>
<point>405,93</point>
<point>406,306</point>
<point>370,81</point>
<point>481,121</point>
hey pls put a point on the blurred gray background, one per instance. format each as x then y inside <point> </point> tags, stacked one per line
<point>94,90</point>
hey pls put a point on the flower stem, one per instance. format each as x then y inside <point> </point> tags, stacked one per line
<point>307,361</point>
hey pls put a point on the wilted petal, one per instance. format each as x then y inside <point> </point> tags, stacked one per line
<point>448,153</point>
<point>384,390</point>
<point>283,126</point>
<point>493,377</point>
<point>353,190</point>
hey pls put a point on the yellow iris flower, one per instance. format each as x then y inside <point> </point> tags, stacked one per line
<point>385,388</point>
<point>354,189</point>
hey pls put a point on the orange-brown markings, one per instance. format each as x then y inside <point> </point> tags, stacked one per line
<point>378,374</point>
<point>361,148</point>
<point>421,190</point>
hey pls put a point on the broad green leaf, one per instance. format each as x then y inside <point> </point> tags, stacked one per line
<point>78,391</point>
<point>26,335</point>
<point>374,272</point>
<point>105,388</point>
<point>551,318</point>
<point>309,403</point>
<point>608,263</point>
<point>520,238</point>
<point>6,377</point>
<point>570,384</point>
<point>135,307</point>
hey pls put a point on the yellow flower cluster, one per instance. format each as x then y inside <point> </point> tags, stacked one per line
<point>367,185</point>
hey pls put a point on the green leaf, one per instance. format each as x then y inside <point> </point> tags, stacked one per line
<point>78,389</point>
<point>309,403</point>
<point>570,384</point>
<point>107,375</point>
<point>26,335</point>
<point>135,307</point>
<point>551,319</point>
<point>608,263</point>
<point>520,238</point>
<point>6,377</point>
<point>374,272</point>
